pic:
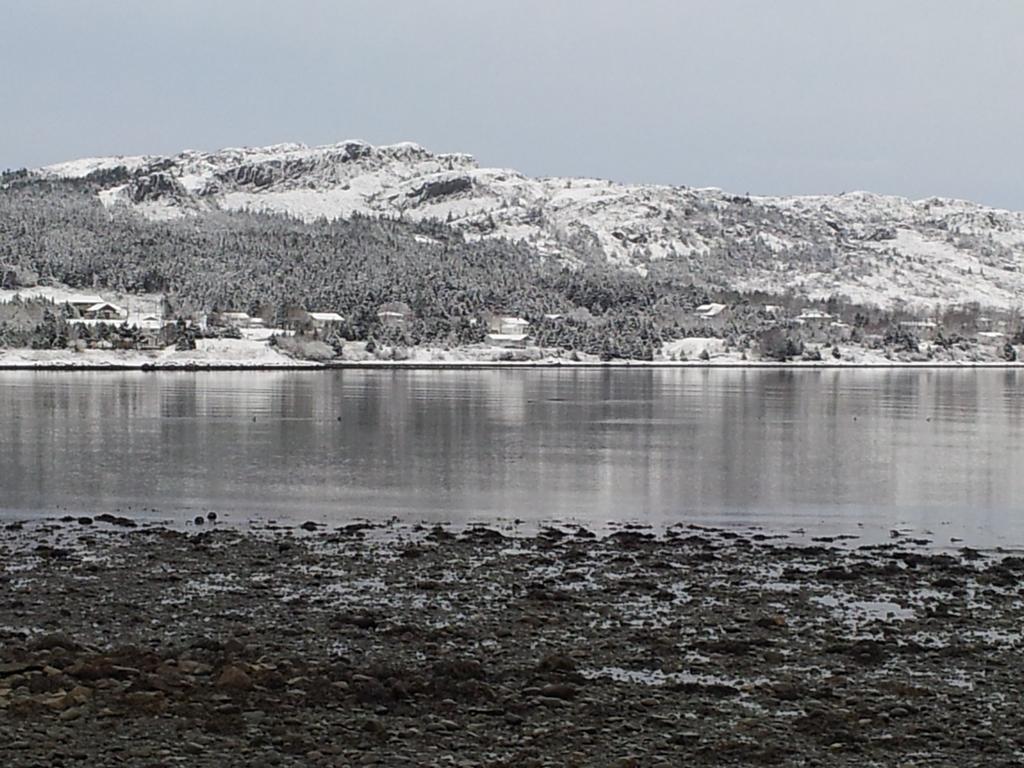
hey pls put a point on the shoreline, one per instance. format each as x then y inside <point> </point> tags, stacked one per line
<point>401,645</point>
<point>149,366</point>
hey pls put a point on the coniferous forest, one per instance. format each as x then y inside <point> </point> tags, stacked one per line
<point>58,232</point>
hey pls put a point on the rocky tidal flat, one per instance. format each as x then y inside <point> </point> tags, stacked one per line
<point>127,644</point>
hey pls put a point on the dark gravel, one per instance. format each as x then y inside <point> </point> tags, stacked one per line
<point>418,647</point>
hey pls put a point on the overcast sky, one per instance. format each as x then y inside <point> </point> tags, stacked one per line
<point>911,97</point>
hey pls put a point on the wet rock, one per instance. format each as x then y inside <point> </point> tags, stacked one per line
<point>193,667</point>
<point>731,646</point>
<point>368,658</point>
<point>72,713</point>
<point>863,650</point>
<point>559,691</point>
<point>439,533</point>
<point>557,662</point>
<point>54,641</point>
<point>9,669</point>
<point>123,522</point>
<point>95,668</point>
<point>715,690</point>
<point>837,574</point>
<point>234,678</point>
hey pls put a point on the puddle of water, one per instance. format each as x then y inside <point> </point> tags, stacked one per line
<point>655,677</point>
<point>851,609</point>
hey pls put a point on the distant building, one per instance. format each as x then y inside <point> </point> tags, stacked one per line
<point>926,330</point>
<point>815,324</point>
<point>104,310</point>
<point>814,316</point>
<point>712,314</point>
<point>236,319</point>
<point>840,331</point>
<point>394,314</point>
<point>711,310</point>
<point>511,340</point>
<point>150,323</point>
<point>82,303</point>
<point>507,324</point>
<point>507,331</point>
<point>323,320</point>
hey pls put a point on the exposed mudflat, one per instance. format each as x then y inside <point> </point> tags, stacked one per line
<point>419,647</point>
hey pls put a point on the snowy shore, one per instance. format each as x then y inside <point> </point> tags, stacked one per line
<point>233,354</point>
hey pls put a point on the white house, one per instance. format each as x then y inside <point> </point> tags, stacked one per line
<point>104,310</point>
<point>507,331</point>
<point>394,314</point>
<point>815,323</point>
<point>507,325</point>
<point>236,319</point>
<point>710,311</point>
<point>712,314</point>
<point>512,340</point>
<point>840,331</point>
<point>321,320</point>
<point>83,302</point>
<point>150,323</point>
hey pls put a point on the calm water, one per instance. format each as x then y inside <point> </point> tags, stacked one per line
<point>828,451</point>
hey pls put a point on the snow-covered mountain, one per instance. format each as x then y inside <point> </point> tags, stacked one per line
<point>869,247</point>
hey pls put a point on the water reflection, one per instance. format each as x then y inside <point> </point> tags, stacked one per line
<point>827,449</point>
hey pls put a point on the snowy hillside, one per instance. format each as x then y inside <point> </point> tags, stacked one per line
<point>869,247</point>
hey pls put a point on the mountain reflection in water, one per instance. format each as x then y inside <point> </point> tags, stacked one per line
<point>938,452</point>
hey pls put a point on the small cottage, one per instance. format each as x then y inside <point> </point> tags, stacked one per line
<point>394,314</point>
<point>236,319</point>
<point>104,310</point>
<point>150,323</point>
<point>815,324</point>
<point>508,340</point>
<point>840,331</point>
<point>507,325</point>
<point>507,331</point>
<point>712,314</point>
<point>81,304</point>
<point>323,320</point>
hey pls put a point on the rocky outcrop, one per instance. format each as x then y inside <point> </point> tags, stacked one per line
<point>155,187</point>
<point>872,248</point>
